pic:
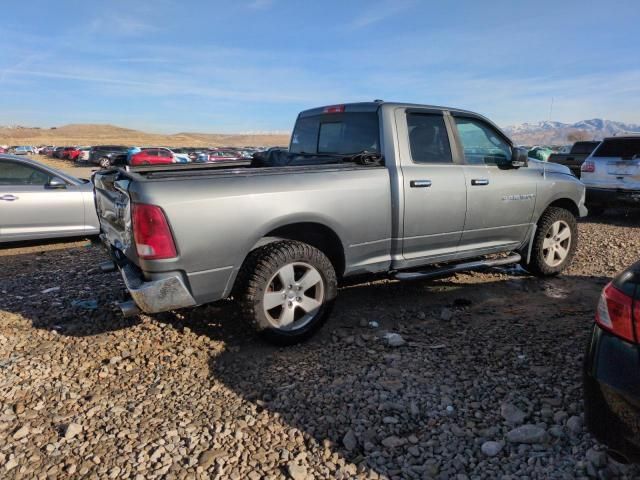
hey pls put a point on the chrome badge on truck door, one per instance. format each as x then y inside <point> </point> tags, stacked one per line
<point>523,196</point>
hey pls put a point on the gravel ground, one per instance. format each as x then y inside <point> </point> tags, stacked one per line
<point>484,380</point>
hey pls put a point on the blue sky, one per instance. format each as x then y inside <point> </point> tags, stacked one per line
<point>251,65</point>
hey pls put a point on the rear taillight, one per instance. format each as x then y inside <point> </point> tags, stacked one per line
<point>151,233</point>
<point>615,313</point>
<point>588,167</point>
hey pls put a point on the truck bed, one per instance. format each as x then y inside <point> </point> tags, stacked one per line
<point>218,212</point>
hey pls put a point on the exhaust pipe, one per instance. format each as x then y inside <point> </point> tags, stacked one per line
<point>129,308</point>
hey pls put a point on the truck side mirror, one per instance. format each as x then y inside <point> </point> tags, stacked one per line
<point>519,157</point>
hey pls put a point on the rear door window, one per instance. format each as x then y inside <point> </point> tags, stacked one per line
<point>428,138</point>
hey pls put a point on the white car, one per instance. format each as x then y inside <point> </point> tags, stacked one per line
<point>612,174</point>
<point>38,202</point>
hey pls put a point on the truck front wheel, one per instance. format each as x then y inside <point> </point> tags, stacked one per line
<point>554,243</point>
<point>286,289</point>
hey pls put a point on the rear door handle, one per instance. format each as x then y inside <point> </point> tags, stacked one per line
<point>479,181</point>
<point>420,183</point>
<point>9,198</point>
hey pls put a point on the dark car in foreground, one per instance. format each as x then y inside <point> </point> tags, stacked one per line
<point>612,368</point>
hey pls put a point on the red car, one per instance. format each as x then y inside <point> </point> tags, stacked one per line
<point>73,154</point>
<point>219,155</point>
<point>66,151</point>
<point>152,156</point>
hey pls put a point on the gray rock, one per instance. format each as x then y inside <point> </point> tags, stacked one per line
<point>512,414</point>
<point>72,430</point>
<point>21,432</point>
<point>206,458</point>
<point>350,441</point>
<point>596,457</point>
<point>527,434</point>
<point>393,442</point>
<point>11,464</point>
<point>394,340</point>
<point>556,431</point>
<point>491,448</point>
<point>446,314</point>
<point>574,424</point>
<point>297,472</point>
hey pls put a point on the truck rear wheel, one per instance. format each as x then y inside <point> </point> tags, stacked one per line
<point>554,243</point>
<point>286,289</point>
<point>105,162</point>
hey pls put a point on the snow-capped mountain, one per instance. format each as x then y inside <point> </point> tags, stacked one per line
<point>550,132</point>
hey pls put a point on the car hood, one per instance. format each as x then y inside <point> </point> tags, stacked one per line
<point>549,167</point>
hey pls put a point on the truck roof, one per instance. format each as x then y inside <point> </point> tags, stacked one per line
<point>376,104</point>
<point>634,136</point>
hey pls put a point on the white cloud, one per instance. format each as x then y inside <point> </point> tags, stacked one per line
<point>376,12</point>
<point>260,4</point>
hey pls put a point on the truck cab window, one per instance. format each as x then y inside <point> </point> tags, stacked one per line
<point>481,143</point>
<point>343,133</point>
<point>428,138</point>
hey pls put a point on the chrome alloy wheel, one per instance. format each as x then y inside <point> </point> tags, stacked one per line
<point>293,296</point>
<point>557,243</point>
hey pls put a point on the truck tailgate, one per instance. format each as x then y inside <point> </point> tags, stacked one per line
<point>113,208</point>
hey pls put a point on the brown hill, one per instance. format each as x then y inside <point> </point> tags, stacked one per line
<point>90,134</point>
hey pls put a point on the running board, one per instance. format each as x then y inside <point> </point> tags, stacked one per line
<point>460,267</point>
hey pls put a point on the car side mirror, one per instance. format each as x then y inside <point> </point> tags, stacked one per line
<point>519,157</point>
<point>56,183</point>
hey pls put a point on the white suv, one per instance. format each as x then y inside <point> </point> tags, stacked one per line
<point>612,174</point>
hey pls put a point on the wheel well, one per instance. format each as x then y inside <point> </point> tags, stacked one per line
<point>317,235</point>
<point>567,204</point>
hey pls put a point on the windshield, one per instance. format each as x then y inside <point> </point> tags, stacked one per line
<point>619,148</point>
<point>337,133</point>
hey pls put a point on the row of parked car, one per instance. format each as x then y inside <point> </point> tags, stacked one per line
<point>109,155</point>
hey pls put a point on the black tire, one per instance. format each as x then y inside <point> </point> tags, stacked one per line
<point>257,276</point>
<point>538,264</point>
<point>104,162</point>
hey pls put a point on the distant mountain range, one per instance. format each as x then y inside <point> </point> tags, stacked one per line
<point>558,133</point>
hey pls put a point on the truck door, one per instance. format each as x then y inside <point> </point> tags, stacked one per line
<point>435,198</point>
<point>500,198</point>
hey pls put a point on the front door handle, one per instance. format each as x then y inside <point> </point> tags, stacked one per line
<point>420,183</point>
<point>8,198</point>
<point>479,181</point>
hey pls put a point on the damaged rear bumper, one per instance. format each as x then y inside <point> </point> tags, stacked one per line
<point>158,295</point>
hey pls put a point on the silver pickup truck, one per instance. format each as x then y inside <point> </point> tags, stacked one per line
<point>411,191</point>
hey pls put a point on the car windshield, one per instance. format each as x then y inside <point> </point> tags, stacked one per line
<point>337,133</point>
<point>626,148</point>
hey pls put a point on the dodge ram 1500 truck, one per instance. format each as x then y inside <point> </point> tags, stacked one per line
<point>408,190</point>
